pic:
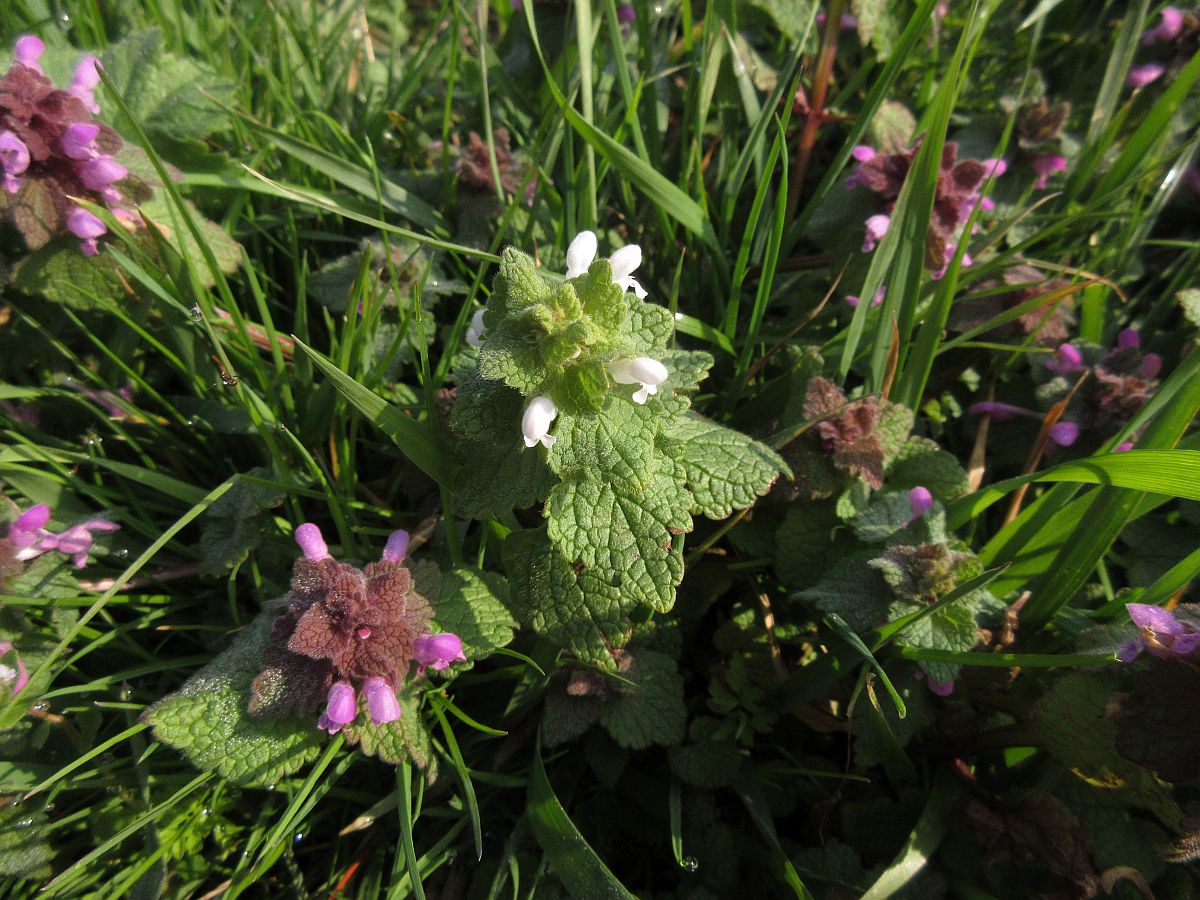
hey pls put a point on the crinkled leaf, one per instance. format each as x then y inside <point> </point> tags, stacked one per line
<point>895,423</point>
<point>624,531</point>
<point>1069,721</point>
<point>1159,725</point>
<point>206,719</point>
<point>236,522</point>
<point>24,849</point>
<point>226,251</point>
<point>950,628</point>
<point>580,610</point>
<point>706,763</point>
<point>617,442</point>
<point>725,470</point>
<point>500,477</point>
<point>652,712</point>
<point>921,462</point>
<point>853,590</point>
<point>165,93</point>
<point>650,327</point>
<point>471,604</point>
<point>61,273</point>
<point>804,543</point>
<point>565,717</point>
<point>407,738</point>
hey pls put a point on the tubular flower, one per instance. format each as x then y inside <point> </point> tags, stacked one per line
<point>1047,165</point>
<point>1166,30</point>
<point>920,501</point>
<point>1163,634</point>
<point>1067,360</point>
<point>582,250</point>
<point>647,372</point>
<point>535,423</point>
<point>1140,76</point>
<point>28,50</point>
<point>85,83</point>
<point>345,632</point>
<point>877,227</point>
<point>16,678</point>
<point>87,227</point>
<point>14,160</point>
<point>476,330</point>
<point>437,651</point>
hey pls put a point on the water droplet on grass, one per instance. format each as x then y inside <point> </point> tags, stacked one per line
<point>689,864</point>
<point>197,315</point>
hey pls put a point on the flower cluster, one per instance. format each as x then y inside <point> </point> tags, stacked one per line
<point>957,193</point>
<point>847,429</point>
<point>28,538</point>
<point>345,632</point>
<point>51,149</point>
<point>1163,633</point>
<point>1179,31</point>
<point>647,373</point>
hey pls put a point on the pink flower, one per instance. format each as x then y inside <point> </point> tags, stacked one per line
<point>28,530</point>
<point>101,172</point>
<point>79,140</point>
<point>28,50</point>
<point>1045,166</point>
<point>877,227</point>
<point>1123,446</point>
<point>919,501</point>
<point>1166,30</point>
<point>1140,76</point>
<point>941,688</point>
<point>76,541</point>
<point>14,160</point>
<point>1163,635</point>
<point>87,227</point>
<point>1000,412</point>
<point>1064,433</point>
<point>437,651</point>
<point>381,700</point>
<point>1151,365</point>
<point>17,677</point>
<point>312,544</point>
<point>877,300</point>
<point>341,706</point>
<point>396,547</point>
<point>85,82</point>
<point>1128,339</point>
<point>1067,360</point>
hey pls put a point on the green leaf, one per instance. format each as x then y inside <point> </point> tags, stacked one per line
<point>578,867</point>
<point>926,835</point>
<point>165,93</point>
<point>653,711</point>
<point>24,850</point>
<point>725,470</point>
<point>624,531</point>
<point>951,628</point>
<point>921,462</point>
<point>650,327</point>
<point>59,272</point>
<point>581,611</point>
<point>706,763</point>
<point>617,443</point>
<point>236,522</point>
<point>407,738</point>
<point>225,250</point>
<point>471,604</point>
<point>206,719</point>
<point>416,440</point>
<point>804,546</point>
<point>853,590</point>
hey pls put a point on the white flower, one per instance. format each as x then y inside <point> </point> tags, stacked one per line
<point>582,251</point>
<point>647,372</point>
<point>535,424</point>
<point>475,332</point>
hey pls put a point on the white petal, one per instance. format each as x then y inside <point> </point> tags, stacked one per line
<point>625,260</point>
<point>640,397</point>
<point>622,371</point>
<point>649,370</point>
<point>580,253</point>
<point>473,337</point>
<point>477,322</point>
<point>535,423</point>
<point>629,283</point>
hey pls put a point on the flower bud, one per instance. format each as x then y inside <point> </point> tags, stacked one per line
<point>535,423</point>
<point>312,544</point>
<point>437,651</point>
<point>381,700</point>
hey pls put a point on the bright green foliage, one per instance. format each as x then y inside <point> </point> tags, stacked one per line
<point>471,604</point>
<point>629,475</point>
<point>577,610</point>
<point>207,721</point>
<point>406,738</point>
<point>653,711</point>
<point>725,470</point>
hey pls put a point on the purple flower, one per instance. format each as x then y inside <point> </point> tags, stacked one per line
<point>312,544</point>
<point>626,13</point>
<point>1067,360</point>
<point>941,688</point>
<point>1000,412</point>
<point>1123,446</point>
<point>79,140</point>
<point>396,547</point>
<point>1140,76</point>
<point>28,50</point>
<point>1064,433</point>
<point>994,168</point>
<point>341,706</point>
<point>85,82</point>
<point>877,300</point>
<point>1163,635</point>
<point>846,21</point>
<point>14,160</point>
<point>1128,339</point>
<point>110,401</point>
<point>76,541</point>
<point>17,677</point>
<point>863,152</point>
<point>1150,366</point>
<point>87,227</point>
<point>877,227</point>
<point>381,700</point>
<point>1166,30</point>
<point>27,531</point>
<point>919,501</point>
<point>437,651</point>
<point>101,172</point>
<point>1047,165</point>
